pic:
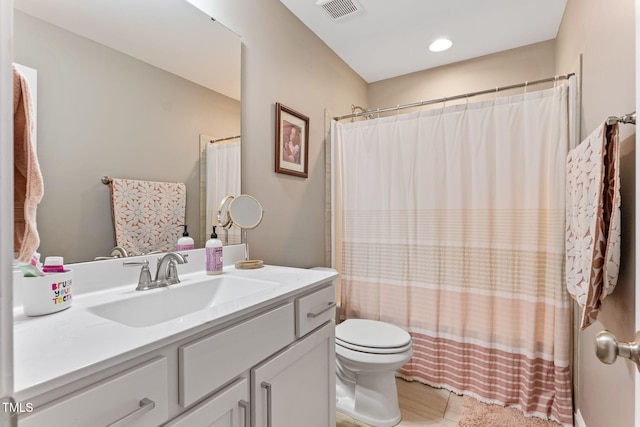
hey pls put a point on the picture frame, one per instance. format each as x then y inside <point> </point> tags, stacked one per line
<point>292,142</point>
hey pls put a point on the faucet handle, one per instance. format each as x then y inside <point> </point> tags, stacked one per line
<point>172,273</point>
<point>144,263</point>
<point>144,281</point>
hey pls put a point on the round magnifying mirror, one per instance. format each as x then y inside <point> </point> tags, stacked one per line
<point>245,211</point>
<point>224,219</point>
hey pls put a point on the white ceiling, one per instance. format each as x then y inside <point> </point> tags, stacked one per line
<point>391,37</point>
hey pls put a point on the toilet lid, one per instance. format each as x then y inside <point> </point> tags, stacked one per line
<point>366,334</point>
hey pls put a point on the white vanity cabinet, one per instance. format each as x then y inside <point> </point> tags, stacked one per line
<point>270,366</point>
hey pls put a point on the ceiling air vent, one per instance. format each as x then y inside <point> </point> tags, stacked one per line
<point>339,9</point>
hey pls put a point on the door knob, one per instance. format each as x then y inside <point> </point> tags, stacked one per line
<point>608,348</point>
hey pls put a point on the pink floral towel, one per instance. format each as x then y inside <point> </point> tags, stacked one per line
<point>28,186</point>
<point>593,220</point>
<point>147,215</point>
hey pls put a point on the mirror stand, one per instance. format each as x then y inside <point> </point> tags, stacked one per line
<point>246,244</point>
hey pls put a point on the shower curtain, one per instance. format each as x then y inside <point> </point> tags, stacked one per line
<point>223,179</point>
<point>450,224</point>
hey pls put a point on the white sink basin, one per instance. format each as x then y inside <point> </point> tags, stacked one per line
<point>147,308</point>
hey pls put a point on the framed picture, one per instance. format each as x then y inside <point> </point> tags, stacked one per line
<point>292,142</point>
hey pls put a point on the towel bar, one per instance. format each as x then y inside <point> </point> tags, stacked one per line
<point>627,118</point>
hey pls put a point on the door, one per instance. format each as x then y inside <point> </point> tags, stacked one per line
<point>637,278</point>
<point>297,386</point>
<point>6,213</point>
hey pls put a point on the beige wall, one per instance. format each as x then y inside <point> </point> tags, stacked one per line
<point>283,61</point>
<point>101,112</point>
<point>604,33</point>
<point>536,61</point>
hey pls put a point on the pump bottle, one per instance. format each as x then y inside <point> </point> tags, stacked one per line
<point>213,250</point>
<point>185,242</point>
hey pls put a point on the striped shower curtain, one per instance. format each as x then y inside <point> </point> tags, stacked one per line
<point>450,224</point>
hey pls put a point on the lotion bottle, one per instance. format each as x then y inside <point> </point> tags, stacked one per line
<point>185,242</point>
<point>213,250</point>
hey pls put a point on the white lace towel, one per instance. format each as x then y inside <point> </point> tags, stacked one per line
<point>593,220</point>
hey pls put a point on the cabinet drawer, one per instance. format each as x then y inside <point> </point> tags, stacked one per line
<point>210,362</point>
<point>111,400</point>
<point>315,309</point>
<point>229,407</point>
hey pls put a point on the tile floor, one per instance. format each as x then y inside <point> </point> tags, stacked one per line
<point>421,406</point>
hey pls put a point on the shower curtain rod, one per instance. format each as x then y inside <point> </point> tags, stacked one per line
<point>451,98</point>
<point>224,139</point>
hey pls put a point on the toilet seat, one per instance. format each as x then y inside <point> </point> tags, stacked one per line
<point>373,350</point>
<point>372,336</point>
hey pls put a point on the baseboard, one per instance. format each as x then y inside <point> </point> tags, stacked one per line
<point>578,421</point>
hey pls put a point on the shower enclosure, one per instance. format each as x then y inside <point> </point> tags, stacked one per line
<point>451,225</point>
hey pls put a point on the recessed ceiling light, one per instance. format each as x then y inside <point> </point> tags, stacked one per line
<point>440,45</point>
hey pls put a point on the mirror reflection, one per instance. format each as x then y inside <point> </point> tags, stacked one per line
<point>230,235</point>
<point>104,112</point>
<point>220,170</point>
<point>245,212</point>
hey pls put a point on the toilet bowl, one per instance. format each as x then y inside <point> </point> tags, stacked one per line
<point>368,354</point>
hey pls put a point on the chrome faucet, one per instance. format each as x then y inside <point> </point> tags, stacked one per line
<point>167,272</point>
<point>119,252</point>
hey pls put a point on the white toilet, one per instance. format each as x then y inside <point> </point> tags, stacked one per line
<point>368,354</point>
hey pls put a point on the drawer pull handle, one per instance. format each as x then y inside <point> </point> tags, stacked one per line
<point>245,405</point>
<point>145,406</point>
<point>324,310</point>
<point>265,385</point>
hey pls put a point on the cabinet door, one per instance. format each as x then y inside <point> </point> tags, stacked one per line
<point>297,387</point>
<point>227,408</point>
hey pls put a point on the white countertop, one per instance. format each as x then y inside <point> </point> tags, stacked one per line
<point>55,349</point>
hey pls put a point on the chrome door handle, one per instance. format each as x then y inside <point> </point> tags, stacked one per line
<point>145,406</point>
<point>608,348</point>
<point>324,310</point>
<point>247,418</point>
<point>265,385</point>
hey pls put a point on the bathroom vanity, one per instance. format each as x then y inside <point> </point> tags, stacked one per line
<point>246,348</point>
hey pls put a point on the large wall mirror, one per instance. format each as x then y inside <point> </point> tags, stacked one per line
<point>126,89</point>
